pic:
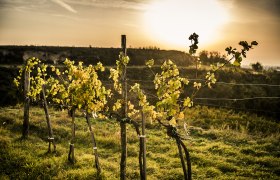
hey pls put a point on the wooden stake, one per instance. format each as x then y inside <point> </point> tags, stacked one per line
<point>71,155</point>
<point>144,145</point>
<point>124,115</point>
<point>25,130</point>
<point>50,131</point>
<point>97,165</point>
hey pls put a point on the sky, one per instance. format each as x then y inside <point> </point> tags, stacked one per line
<point>166,24</point>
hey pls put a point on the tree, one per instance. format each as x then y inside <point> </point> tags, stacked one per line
<point>257,66</point>
<point>211,57</point>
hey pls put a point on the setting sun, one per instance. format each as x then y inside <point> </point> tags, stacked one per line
<point>173,22</point>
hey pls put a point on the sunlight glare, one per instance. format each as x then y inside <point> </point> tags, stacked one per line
<point>172,21</point>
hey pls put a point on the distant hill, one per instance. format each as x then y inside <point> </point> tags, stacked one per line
<point>89,55</point>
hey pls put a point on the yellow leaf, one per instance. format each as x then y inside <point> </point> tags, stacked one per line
<point>181,115</point>
<point>150,63</point>
<point>197,85</point>
<point>172,122</point>
<point>188,102</point>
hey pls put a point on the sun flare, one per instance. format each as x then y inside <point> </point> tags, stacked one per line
<point>172,21</point>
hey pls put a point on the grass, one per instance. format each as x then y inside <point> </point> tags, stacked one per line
<point>221,143</point>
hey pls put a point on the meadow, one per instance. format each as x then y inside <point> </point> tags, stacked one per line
<point>223,144</point>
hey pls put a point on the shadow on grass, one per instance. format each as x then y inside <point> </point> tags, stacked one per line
<point>50,154</point>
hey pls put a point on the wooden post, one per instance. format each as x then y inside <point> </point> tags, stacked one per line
<point>124,115</point>
<point>123,44</point>
<point>71,155</point>
<point>25,130</point>
<point>143,139</point>
<point>196,68</point>
<point>50,131</point>
<point>97,165</point>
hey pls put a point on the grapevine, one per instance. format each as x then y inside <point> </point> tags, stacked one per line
<point>79,88</point>
<point>38,82</point>
<point>170,87</point>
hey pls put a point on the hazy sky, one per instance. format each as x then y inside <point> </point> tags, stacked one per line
<point>162,23</point>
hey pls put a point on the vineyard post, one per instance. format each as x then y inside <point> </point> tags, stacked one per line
<point>50,131</point>
<point>196,68</point>
<point>71,155</point>
<point>97,165</point>
<point>124,115</point>
<point>25,130</point>
<point>143,139</point>
<point>123,44</point>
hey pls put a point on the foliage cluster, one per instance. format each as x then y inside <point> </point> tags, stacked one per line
<point>257,66</point>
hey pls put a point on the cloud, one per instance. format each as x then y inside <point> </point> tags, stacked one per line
<point>69,17</point>
<point>21,4</point>
<point>64,5</point>
<point>118,4</point>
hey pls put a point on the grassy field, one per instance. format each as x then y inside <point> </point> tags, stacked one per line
<point>222,144</point>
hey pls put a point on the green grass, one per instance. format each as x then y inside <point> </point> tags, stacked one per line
<point>222,145</point>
